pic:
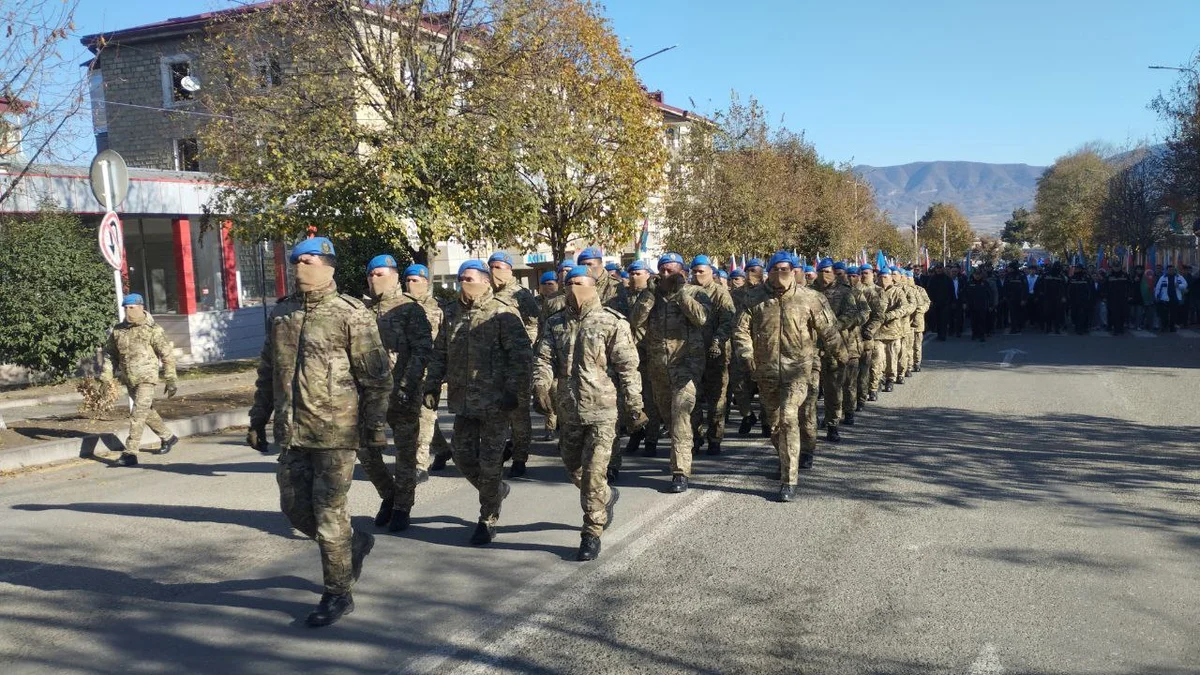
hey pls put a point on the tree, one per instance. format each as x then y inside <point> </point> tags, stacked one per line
<point>563,99</point>
<point>56,294</point>
<point>1180,108</point>
<point>1069,197</point>
<point>941,217</point>
<point>41,92</point>
<point>1016,228</point>
<point>356,116</point>
<point>1132,210</point>
<point>989,250</point>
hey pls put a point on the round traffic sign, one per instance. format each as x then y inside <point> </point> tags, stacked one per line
<point>112,240</point>
<point>108,161</point>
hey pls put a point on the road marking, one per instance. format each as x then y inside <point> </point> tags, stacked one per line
<point>1008,356</point>
<point>987,663</point>
<point>1142,334</point>
<point>1189,334</point>
<point>928,339</point>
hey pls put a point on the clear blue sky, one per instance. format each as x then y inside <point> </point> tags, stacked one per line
<point>886,81</point>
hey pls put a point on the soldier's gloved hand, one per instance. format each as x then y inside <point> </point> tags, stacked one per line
<point>508,401</point>
<point>377,439</point>
<point>714,350</point>
<point>171,389</point>
<point>639,421</point>
<point>866,334</point>
<point>256,438</point>
<point>541,400</point>
<point>430,400</point>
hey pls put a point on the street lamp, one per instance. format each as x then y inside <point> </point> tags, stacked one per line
<point>1181,69</point>
<point>664,49</point>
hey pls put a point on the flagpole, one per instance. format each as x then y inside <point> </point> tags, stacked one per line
<point>944,243</point>
<point>916,245</point>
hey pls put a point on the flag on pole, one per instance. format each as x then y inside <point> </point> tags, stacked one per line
<point>880,260</point>
<point>1101,261</point>
<point>1151,257</point>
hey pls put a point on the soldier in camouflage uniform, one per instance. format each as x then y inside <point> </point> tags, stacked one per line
<point>897,322</point>
<point>851,315</point>
<point>748,295</point>
<point>548,287</point>
<point>641,299</point>
<point>780,338</point>
<point>410,334</point>
<point>900,278</point>
<point>588,350</point>
<point>805,275</point>
<point>383,295</point>
<point>918,325</point>
<point>614,295</point>
<point>325,377</point>
<point>675,351</point>
<point>852,399</point>
<point>508,290</point>
<point>870,380</point>
<point>483,354</point>
<point>710,412</point>
<point>139,348</point>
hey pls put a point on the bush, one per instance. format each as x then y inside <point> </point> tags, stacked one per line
<point>99,396</point>
<point>56,293</point>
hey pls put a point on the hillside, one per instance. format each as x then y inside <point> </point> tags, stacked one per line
<point>985,193</point>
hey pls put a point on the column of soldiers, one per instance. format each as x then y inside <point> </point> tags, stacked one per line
<point>600,352</point>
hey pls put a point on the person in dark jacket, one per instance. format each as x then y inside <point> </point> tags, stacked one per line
<point>1079,299</point>
<point>1117,293</point>
<point>977,298</point>
<point>1016,293</point>
<point>958,287</point>
<point>941,293</point>
<point>1053,294</point>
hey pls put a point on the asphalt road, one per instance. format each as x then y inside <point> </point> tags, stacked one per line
<point>1039,516</point>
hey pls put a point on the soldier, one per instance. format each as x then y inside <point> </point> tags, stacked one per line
<point>547,288</point>
<point>746,295</point>
<point>896,322</point>
<point>900,279</point>
<point>1053,299</point>
<point>737,279</point>
<point>1015,294</point>
<point>676,349</point>
<point>1117,291</point>
<point>810,275</point>
<point>754,272</point>
<point>411,329</point>
<point>918,324</point>
<point>588,350</point>
<point>324,375</point>
<point>511,292</point>
<point>383,295</point>
<point>612,293</point>
<point>850,317</point>
<point>139,348</point>
<point>723,278</point>
<point>641,299</point>
<point>779,338</point>
<point>483,354</point>
<point>715,381</point>
<point>871,374</point>
<point>558,300</point>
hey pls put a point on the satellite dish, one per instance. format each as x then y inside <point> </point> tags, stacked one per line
<point>190,84</point>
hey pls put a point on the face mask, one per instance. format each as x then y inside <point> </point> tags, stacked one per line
<point>472,291</point>
<point>380,286</point>
<point>417,288</point>
<point>501,276</point>
<point>755,276</point>
<point>702,277</point>
<point>578,296</point>
<point>669,283</point>
<point>638,283</point>
<point>597,273</point>
<point>135,314</point>
<point>781,280</point>
<point>312,277</point>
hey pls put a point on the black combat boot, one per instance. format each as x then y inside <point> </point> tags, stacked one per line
<point>832,435</point>
<point>399,521</point>
<point>858,407</point>
<point>168,445</point>
<point>483,535</point>
<point>517,470</point>
<point>589,548</point>
<point>917,368</point>
<point>508,450</point>
<point>848,420</point>
<point>635,441</point>
<point>900,380</point>
<point>613,495</point>
<point>385,512</point>
<point>330,609</point>
<point>127,459</point>
<point>714,448</point>
<point>612,474</point>
<point>766,429</point>
<point>872,396</point>
<point>422,476</point>
<point>786,492</point>
<point>887,386</point>
<point>806,461</point>
<point>651,448</point>
<point>360,546</point>
<point>679,484</point>
<point>747,424</point>
<point>439,462</point>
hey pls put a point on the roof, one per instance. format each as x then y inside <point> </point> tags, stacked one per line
<point>14,105</point>
<point>656,97</point>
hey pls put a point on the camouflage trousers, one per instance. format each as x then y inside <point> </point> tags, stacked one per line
<point>478,447</point>
<point>878,363</point>
<point>743,386</point>
<point>376,470</point>
<point>521,427</point>
<point>833,386</point>
<point>551,415</point>
<point>784,405</point>
<point>905,354</point>
<point>892,367</point>
<point>143,415</point>
<point>918,349</point>
<point>850,386</point>
<point>710,409</point>
<point>675,398</point>
<point>585,450</point>
<point>412,430</point>
<point>866,370</point>
<point>313,485</point>
<point>808,421</point>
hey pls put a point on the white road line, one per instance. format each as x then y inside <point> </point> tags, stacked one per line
<point>987,663</point>
<point>1142,334</point>
<point>928,339</point>
<point>1008,357</point>
<point>1188,334</point>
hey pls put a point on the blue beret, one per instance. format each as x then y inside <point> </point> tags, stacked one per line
<point>612,266</point>
<point>547,277</point>
<point>908,273</point>
<point>893,268</point>
<point>133,299</point>
<point>853,269</point>
<point>589,253</point>
<point>638,266</point>
<point>866,268</point>
<point>566,265</point>
<point>777,258</point>
<point>885,272</point>
<point>754,262</point>
<point>577,271</point>
<point>382,260</point>
<point>314,246</point>
<point>500,256</point>
<point>472,265</point>
<point>839,265</point>
<point>723,274</point>
<point>808,269</point>
<point>669,258</point>
<point>624,274</point>
<point>825,262</point>
<point>416,271</point>
<point>737,273</point>
<point>701,260</point>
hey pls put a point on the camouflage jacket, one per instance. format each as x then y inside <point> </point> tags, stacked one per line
<point>380,307</point>
<point>721,315</point>
<point>591,356</point>
<point>896,313</point>
<point>408,337</point>
<point>675,327</point>
<point>481,352</point>
<point>548,305</point>
<point>852,314</point>
<point>748,296</point>
<point>521,299</point>
<point>874,297</point>
<point>781,337</point>
<point>323,373</point>
<point>613,294</point>
<point>139,351</point>
<point>640,303</point>
<point>923,302</point>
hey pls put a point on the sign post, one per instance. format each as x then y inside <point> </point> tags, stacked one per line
<point>110,184</point>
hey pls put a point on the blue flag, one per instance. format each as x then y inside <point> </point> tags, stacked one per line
<point>880,260</point>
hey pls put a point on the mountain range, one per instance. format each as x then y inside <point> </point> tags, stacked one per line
<point>985,193</point>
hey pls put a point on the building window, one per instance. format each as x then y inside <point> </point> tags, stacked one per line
<point>268,73</point>
<point>174,70</point>
<point>187,155</point>
<point>96,93</point>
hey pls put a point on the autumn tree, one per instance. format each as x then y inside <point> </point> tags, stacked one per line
<point>41,88</point>
<point>1132,211</point>
<point>989,250</point>
<point>1069,197</point>
<point>1180,108</point>
<point>944,230</point>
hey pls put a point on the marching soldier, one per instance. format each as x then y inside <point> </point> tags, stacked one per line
<point>849,315</point>
<point>384,294</point>
<point>715,381</point>
<point>507,290</point>
<point>896,323</point>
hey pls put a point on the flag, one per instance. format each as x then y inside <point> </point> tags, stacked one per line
<point>1151,257</point>
<point>880,260</point>
<point>644,239</point>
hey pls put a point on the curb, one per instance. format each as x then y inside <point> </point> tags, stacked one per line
<point>45,400</point>
<point>51,452</point>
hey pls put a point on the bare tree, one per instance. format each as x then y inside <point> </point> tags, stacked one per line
<point>1132,207</point>
<point>41,89</point>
